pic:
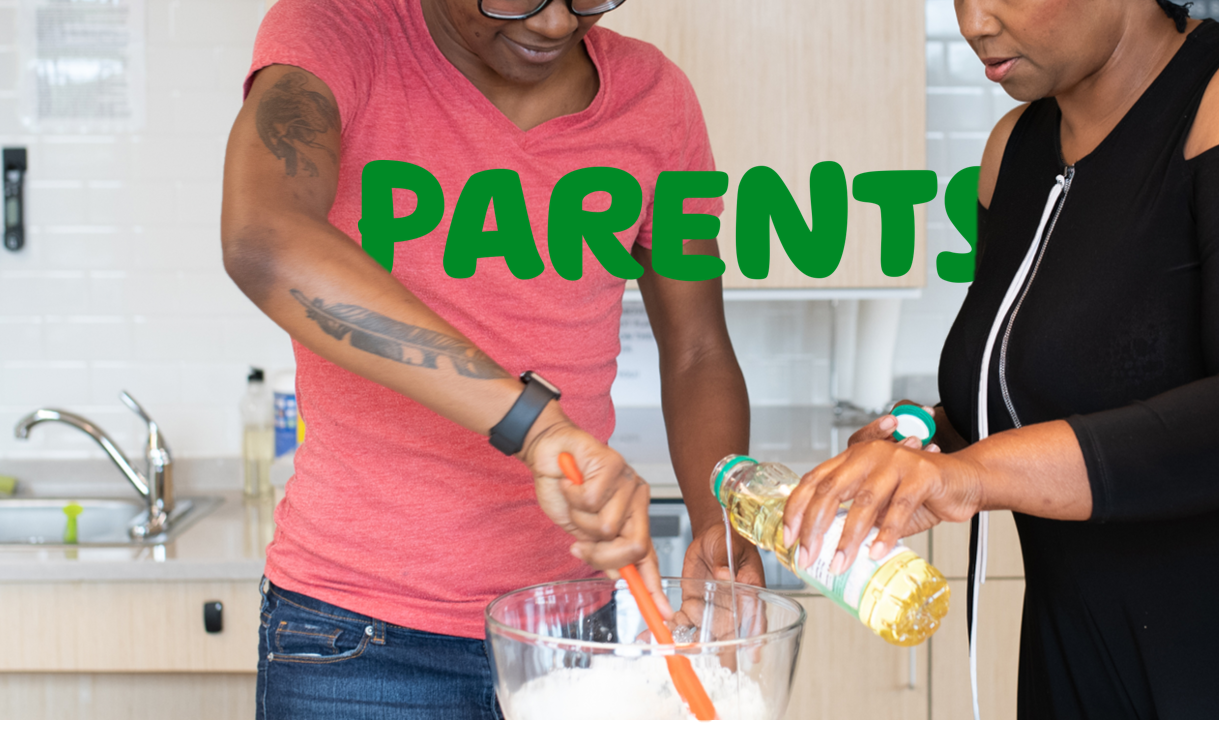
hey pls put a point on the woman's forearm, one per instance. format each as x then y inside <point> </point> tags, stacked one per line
<point>706,409</point>
<point>1035,470</point>
<point>317,284</point>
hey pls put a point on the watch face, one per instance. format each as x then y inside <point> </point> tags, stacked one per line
<point>530,375</point>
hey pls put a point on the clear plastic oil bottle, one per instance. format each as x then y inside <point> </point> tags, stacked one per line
<point>901,597</point>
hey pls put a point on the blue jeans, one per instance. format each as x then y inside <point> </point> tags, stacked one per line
<point>316,660</point>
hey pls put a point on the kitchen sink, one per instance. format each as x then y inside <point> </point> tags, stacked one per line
<point>41,521</point>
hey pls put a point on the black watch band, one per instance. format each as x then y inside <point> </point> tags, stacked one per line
<point>508,436</point>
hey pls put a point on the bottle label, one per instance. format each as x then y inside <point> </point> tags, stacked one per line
<point>844,589</point>
<point>285,423</point>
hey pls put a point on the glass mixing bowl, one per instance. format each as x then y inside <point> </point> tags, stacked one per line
<point>579,650</point>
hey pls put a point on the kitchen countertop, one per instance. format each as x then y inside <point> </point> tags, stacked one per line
<point>228,544</point>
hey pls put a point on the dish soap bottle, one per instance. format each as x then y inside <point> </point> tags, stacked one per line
<point>901,597</point>
<point>258,437</point>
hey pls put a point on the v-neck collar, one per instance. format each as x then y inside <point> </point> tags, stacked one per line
<point>447,75</point>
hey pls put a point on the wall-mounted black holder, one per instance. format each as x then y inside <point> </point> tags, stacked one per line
<point>14,199</point>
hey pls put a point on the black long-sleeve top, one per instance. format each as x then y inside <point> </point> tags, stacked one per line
<point>1118,334</point>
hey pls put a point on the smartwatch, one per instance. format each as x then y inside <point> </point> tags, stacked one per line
<point>508,436</point>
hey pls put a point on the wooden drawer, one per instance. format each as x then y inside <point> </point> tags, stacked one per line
<point>127,627</point>
<point>950,548</point>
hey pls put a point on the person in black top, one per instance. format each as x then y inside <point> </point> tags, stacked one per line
<point>1079,382</point>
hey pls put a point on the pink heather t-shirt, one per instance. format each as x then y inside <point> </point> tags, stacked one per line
<point>394,511</point>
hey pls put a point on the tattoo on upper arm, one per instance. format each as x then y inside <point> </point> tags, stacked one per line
<point>289,120</point>
<point>401,343</point>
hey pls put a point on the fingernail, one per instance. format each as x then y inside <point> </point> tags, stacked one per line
<point>575,550</point>
<point>805,559</point>
<point>836,565</point>
<point>932,448</point>
<point>787,536</point>
<point>876,551</point>
<point>888,423</point>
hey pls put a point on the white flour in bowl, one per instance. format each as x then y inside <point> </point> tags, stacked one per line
<point>621,688</point>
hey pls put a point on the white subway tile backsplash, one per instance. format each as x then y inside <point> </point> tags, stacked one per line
<point>108,202</point>
<point>165,337</point>
<point>937,64</point>
<point>233,22</point>
<point>219,384</point>
<point>35,384</point>
<point>964,149</point>
<point>56,202</point>
<point>206,113</point>
<point>254,340</point>
<point>81,157</point>
<point>182,68</point>
<point>198,203</point>
<point>8,69</point>
<point>87,338</point>
<point>964,67</point>
<point>83,247</point>
<point>958,109</point>
<point>150,383</point>
<point>21,339</point>
<point>153,202</point>
<point>942,19</point>
<point>8,26</point>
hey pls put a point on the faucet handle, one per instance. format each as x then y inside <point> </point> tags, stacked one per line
<point>155,439</point>
<point>134,406</point>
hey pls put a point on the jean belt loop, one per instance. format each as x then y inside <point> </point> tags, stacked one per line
<point>379,632</point>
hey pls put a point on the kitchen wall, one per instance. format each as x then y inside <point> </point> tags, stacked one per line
<point>121,286</point>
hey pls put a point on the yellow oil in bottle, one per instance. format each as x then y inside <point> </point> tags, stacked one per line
<point>902,598</point>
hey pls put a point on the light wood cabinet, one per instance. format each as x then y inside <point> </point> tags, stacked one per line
<point>127,627</point>
<point>789,83</point>
<point>845,671</point>
<point>46,696</point>
<point>1000,606</point>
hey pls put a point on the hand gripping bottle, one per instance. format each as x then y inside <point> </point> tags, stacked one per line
<point>901,597</point>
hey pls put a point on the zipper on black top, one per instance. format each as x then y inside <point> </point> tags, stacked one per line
<point>1068,175</point>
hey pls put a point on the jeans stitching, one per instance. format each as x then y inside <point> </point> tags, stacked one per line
<point>280,631</point>
<point>298,659</point>
<point>318,612</point>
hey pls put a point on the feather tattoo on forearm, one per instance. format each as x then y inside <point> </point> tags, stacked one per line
<point>402,343</point>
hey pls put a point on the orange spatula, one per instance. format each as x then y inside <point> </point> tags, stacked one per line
<point>680,669</point>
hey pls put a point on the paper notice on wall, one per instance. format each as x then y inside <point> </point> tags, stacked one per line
<point>82,65</point>
<point>638,380</point>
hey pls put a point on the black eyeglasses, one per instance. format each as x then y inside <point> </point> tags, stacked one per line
<point>519,10</point>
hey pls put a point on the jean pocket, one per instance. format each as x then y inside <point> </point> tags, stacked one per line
<point>308,637</point>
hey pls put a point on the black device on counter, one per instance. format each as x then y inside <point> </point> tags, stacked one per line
<point>14,200</point>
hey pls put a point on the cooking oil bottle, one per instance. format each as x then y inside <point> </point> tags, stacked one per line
<point>901,597</point>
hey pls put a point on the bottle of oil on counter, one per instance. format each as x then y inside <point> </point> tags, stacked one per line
<point>902,598</point>
<point>258,437</point>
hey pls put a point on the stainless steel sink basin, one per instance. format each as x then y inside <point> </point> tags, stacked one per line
<point>42,522</point>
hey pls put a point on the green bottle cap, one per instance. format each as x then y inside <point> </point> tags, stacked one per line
<point>913,421</point>
<point>722,468</point>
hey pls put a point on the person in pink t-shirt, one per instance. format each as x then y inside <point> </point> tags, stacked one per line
<point>428,482</point>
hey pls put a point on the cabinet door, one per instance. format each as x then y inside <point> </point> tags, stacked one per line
<point>950,548</point>
<point>999,609</point>
<point>846,671</point>
<point>789,83</point>
<point>127,627</point>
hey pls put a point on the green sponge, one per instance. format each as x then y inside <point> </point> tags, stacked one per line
<point>8,485</point>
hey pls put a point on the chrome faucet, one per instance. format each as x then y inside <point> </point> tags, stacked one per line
<point>157,487</point>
